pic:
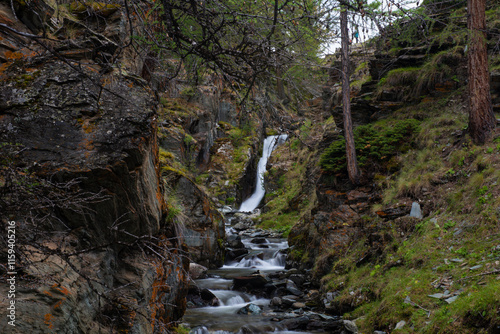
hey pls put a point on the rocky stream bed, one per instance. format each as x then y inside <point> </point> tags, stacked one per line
<point>253,292</point>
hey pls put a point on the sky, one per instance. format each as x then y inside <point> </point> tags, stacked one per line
<point>366,28</point>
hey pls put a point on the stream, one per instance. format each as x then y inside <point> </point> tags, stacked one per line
<point>264,256</point>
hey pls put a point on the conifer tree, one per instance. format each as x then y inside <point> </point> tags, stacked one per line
<point>481,117</point>
<point>352,164</point>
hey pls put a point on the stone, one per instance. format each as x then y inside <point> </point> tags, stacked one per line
<point>437,295</point>
<point>197,271</point>
<point>298,305</point>
<point>288,301</point>
<point>258,241</point>
<point>202,297</point>
<point>350,326</point>
<point>234,241</point>
<point>298,279</point>
<point>296,323</point>
<point>451,299</point>
<point>276,301</point>
<point>250,309</point>
<point>241,226</point>
<point>416,211</point>
<point>292,288</point>
<point>249,282</point>
<point>400,324</point>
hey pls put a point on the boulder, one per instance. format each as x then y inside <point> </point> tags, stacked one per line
<point>201,297</point>
<point>251,309</point>
<point>197,271</point>
<point>249,282</point>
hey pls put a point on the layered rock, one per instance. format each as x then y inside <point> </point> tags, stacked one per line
<point>87,132</point>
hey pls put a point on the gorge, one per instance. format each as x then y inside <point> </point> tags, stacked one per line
<point>179,167</point>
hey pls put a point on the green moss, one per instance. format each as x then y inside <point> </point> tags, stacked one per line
<point>375,144</point>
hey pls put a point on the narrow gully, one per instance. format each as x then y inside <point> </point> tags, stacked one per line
<point>266,256</point>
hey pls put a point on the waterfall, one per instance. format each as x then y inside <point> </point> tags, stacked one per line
<point>253,201</point>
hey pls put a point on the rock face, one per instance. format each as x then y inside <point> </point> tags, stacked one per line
<point>203,230</point>
<point>332,227</point>
<point>107,259</point>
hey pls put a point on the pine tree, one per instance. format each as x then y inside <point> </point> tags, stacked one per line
<point>481,118</point>
<point>352,164</point>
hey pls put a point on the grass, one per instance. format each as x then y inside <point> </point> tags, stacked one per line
<point>375,293</point>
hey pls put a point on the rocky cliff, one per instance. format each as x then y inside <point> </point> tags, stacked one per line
<point>81,179</point>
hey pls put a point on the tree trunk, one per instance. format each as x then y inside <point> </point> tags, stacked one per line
<point>481,117</point>
<point>280,87</point>
<point>352,164</point>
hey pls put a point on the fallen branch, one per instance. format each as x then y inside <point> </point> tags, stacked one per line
<point>409,301</point>
<point>483,274</point>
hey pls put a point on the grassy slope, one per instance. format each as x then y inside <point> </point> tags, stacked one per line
<point>456,183</point>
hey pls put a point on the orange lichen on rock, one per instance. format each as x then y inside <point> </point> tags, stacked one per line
<point>59,303</point>
<point>48,318</point>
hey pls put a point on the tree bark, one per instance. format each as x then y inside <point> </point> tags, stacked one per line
<point>481,117</point>
<point>352,164</point>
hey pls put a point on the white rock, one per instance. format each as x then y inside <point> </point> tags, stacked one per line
<point>400,324</point>
<point>416,211</point>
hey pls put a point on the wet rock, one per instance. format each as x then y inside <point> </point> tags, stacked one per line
<point>292,288</point>
<point>241,226</point>
<point>250,329</point>
<point>249,282</point>
<point>205,226</point>
<point>234,254</point>
<point>250,309</point>
<point>296,323</point>
<point>234,241</point>
<point>276,301</point>
<point>197,271</point>
<point>201,297</point>
<point>288,301</point>
<point>298,305</point>
<point>199,330</point>
<point>258,241</point>
<point>298,279</point>
<point>252,256</point>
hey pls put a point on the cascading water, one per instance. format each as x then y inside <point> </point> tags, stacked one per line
<point>265,257</point>
<point>253,201</point>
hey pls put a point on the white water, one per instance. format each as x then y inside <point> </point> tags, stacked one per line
<point>253,201</point>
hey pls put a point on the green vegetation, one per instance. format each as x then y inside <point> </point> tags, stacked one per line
<point>375,145</point>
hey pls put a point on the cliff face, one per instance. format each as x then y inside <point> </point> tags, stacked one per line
<point>97,254</point>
